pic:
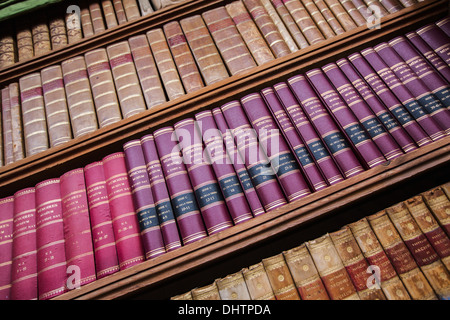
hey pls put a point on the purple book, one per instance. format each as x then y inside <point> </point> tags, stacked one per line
<point>363,113</point>
<point>444,25</point>
<point>6,243</point>
<point>306,132</point>
<point>391,124</point>
<point>206,188</point>
<point>184,204</point>
<point>164,210</point>
<point>437,40</point>
<point>405,97</point>
<point>304,158</point>
<point>143,199</point>
<point>238,164</point>
<point>263,177</point>
<point>275,147</point>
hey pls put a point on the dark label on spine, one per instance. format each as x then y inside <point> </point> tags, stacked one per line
<point>230,186</point>
<point>261,173</point>
<point>431,104</point>
<point>373,127</point>
<point>336,142</point>
<point>284,163</point>
<point>318,150</point>
<point>388,121</point>
<point>356,134</point>
<point>165,212</point>
<point>147,218</point>
<point>415,109</point>
<point>245,180</point>
<point>184,204</point>
<point>303,156</point>
<point>402,115</point>
<point>444,96</point>
<point>208,195</point>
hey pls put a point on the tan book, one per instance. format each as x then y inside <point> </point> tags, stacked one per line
<point>439,204</point>
<point>41,36</point>
<point>183,58</point>
<point>79,96</point>
<point>147,71</point>
<point>109,14</point>
<point>353,12</point>
<point>208,292</point>
<point>402,260</point>
<point>120,11</point>
<point>446,188</point>
<point>159,4</point>
<point>126,80</point>
<point>16,122</point>
<point>58,33</point>
<point>73,27</point>
<point>56,109</point>
<point>24,38</point>
<point>33,114</point>
<point>228,40</point>
<point>329,16</point>
<point>86,20</point>
<point>183,296</point>
<point>280,278</point>
<point>258,283</point>
<point>102,85</point>
<point>305,274</point>
<point>318,18</point>
<point>146,7</point>
<point>250,32</point>
<point>380,10</point>
<point>341,14</point>
<point>131,9</point>
<point>331,269</point>
<point>8,155</point>
<point>204,50</point>
<point>165,64</point>
<point>233,287</point>
<point>96,17</point>
<point>7,46</point>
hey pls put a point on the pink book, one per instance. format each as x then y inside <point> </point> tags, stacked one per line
<point>130,250</point>
<point>105,252</point>
<point>6,244</point>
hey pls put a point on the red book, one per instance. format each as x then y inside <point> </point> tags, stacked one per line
<point>130,249</point>
<point>6,243</point>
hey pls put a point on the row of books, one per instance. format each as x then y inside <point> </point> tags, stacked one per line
<point>105,85</point>
<point>222,167</point>
<point>400,253</point>
<point>34,34</point>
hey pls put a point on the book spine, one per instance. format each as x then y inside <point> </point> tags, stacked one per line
<point>1,133</point>
<point>143,199</point>
<point>258,166</point>
<point>353,12</point>
<point>77,229</point>
<point>439,204</point>
<point>250,32</point>
<point>318,18</point>
<point>16,121</point>
<point>437,40</point>
<point>41,37</point>
<point>147,71</point>
<point>258,283</point>
<point>391,6</point>
<point>185,207</point>
<point>86,21</point>
<point>58,33</point>
<point>183,296</point>
<point>97,17</point>
<point>159,4</point>
<point>444,25</point>
<point>51,256</point>
<point>329,16</point>
<point>227,178</point>
<point>56,110</point>
<point>109,13</point>
<point>129,245</point>
<point>73,26</point>
<point>105,252</point>
<point>6,246</point>
<point>362,8</point>
<point>79,96</point>
<point>33,114</point>
<point>160,194</point>
<point>146,7</point>
<point>275,147</point>
<point>8,153</point>
<point>182,55</point>
<point>280,278</point>
<point>204,49</point>
<point>233,287</point>
<point>341,14</point>
<point>102,85</point>
<point>208,292</point>
<point>120,11</point>
<point>24,38</point>
<point>131,9</point>
<point>166,65</point>
<point>380,10</point>
<point>7,47</point>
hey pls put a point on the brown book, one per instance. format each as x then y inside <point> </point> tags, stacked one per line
<point>159,4</point>
<point>57,112</point>
<point>204,49</point>
<point>146,7</point>
<point>85,19</point>
<point>258,283</point>
<point>24,38</point>
<point>147,71</point>
<point>331,269</point>
<point>183,58</point>
<point>329,16</point>
<point>280,278</point>
<point>305,274</point>
<point>446,188</point>
<point>233,287</point>
<point>33,114</point>
<point>439,204</point>
<point>73,27</point>
<point>8,155</point>
<point>96,17</point>
<point>362,8</point>
<point>79,96</point>
<point>131,9</point>
<point>7,46</point>
<point>109,14</point>
<point>341,14</point>
<point>402,260</point>
<point>183,296</point>
<point>408,3</point>
<point>126,80</point>
<point>120,11</point>
<point>356,264</point>
<point>165,64</point>
<point>102,85</point>
<point>58,34</point>
<point>304,21</point>
<point>228,40</point>
<point>16,122</point>
<point>391,5</point>
<point>357,17</point>
<point>41,36</point>
<point>209,292</point>
<point>318,18</point>
<point>250,32</point>
<point>376,4</point>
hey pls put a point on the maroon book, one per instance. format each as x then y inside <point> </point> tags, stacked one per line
<point>6,244</point>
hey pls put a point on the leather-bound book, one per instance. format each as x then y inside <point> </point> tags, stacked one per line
<point>104,243</point>
<point>183,296</point>
<point>73,27</point>
<point>258,283</point>
<point>208,292</point>
<point>184,203</point>
<point>146,7</point>
<point>143,199</point>
<point>8,155</point>
<point>58,33</point>
<point>387,277</point>
<point>204,49</point>
<point>24,38</point>
<point>120,11</point>
<point>130,250</point>
<point>6,246</point>
<point>33,114</point>
<point>444,25</point>
<point>159,4</point>
<point>131,9</point>
<point>250,32</point>
<point>439,204</point>
<point>436,39</point>
<point>164,209</point>
<point>109,13</point>
<point>165,63</point>
<point>126,80</point>
<point>318,18</point>
<point>380,12</point>
<point>16,122</point>
<point>147,71</point>
<point>361,7</point>
<point>85,19</point>
<point>404,264</point>
<point>353,12</point>
<point>102,85</point>
<point>280,278</point>
<point>329,16</point>
<point>305,274</point>
<point>77,229</point>
<point>183,58</point>
<point>24,279</point>
<point>446,188</point>
<point>96,17</point>
<point>7,47</point>
<point>56,109</point>
<point>356,264</point>
<point>341,14</point>
<point>233,287</point>
<point>204,183</point>
<point>226,36</point>
<point>331,269</point>
<point>79,96</point>
<point>391,6</point>
<point>51,255</point>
